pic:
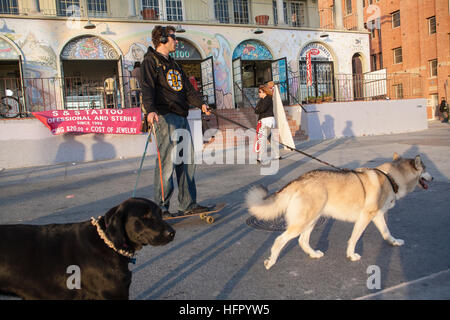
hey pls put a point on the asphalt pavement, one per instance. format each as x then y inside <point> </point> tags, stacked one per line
<point>224,260</point>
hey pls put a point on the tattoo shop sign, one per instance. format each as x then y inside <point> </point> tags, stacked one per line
<point>106,121</point>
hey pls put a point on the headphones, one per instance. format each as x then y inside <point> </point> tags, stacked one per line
<point>164,37</point>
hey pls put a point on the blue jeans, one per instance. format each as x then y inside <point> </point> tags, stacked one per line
<point>184,171</point>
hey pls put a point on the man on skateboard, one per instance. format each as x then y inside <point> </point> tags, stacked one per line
<point>167,95</point>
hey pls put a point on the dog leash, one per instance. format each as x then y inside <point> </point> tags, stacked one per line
<point>391,180</point>
<point>142,162</point>
<point>282,144</point>
<point>140,167</point>
<point>159,163</point>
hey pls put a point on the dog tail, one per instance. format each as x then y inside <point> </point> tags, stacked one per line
<point>266,207</point>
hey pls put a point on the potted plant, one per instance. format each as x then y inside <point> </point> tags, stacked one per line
<point>262,19</point>
<point>312,99</point>
<point>149,14</point>
<point>327,98</point>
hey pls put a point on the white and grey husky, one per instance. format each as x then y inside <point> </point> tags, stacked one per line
<point>358,196</point>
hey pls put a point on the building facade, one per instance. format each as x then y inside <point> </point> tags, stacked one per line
<point>412,38</point>
<point>69,54</point>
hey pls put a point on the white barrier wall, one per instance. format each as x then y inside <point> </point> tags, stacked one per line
<point>355,119</point>
<point>28,142</point>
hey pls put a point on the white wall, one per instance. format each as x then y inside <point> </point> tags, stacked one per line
<point>27,142</point>
<point>354,119</point>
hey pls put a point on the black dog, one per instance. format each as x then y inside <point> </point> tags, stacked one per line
<point>86,260</point>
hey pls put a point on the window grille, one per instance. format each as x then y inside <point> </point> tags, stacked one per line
<point>348,6</point>
<point>294,13</point>
<point>9,7</point>
<point>221,11</point>
<point>67,8</point>
<point>151,4</point>
<point>297,14</point>
<point>395,19</point>
<point>97,7</point>
<point>432,25</point>
<point>433,68</point>
<point>398,56</point>
<point>174,10</point>
<point>240,11</point>
<point>373,59</point>
<point>275,12</point>
<point>398,90</point>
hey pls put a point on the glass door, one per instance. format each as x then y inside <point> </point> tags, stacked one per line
<point>280,77</point>
<point>208,86</point>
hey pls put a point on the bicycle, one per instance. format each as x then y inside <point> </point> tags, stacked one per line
<point>10,106</point>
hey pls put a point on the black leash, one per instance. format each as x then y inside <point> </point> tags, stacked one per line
<point>391,180</point>
<point>290,148</point>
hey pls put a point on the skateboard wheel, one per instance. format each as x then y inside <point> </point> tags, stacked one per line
<point>202,216</point>
<point>210,220</point>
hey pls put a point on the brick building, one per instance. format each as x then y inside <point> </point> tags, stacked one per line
<point>412,37</point>
<point>409,38</point>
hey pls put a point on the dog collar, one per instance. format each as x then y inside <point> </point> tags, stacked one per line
<point>391,180</point>
<point>108,242</point>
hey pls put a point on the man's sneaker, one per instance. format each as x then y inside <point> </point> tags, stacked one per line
<point>195,210</point>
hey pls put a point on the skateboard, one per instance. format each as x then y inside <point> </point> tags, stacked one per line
<point>204,215</point>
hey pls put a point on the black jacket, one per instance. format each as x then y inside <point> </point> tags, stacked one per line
<point>165,87</point>
<point>264,108</point>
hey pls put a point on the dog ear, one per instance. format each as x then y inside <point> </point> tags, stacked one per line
<point>417,162</point>
<point>115,226</point>
<point>396,156</point>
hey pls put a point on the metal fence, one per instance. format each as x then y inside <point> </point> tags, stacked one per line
<point>73,93</point>
<point>43,94</point>
<point>355,87</point>
<point>326,87</point>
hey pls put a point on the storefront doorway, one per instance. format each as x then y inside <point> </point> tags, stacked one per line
<point>92,74</point>
<point>10,76</point>
<point>252,67</point>
<point>199,71</point>
<point>357,77</point>
<point>316,73</point>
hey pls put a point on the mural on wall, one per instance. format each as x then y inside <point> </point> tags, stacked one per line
<point>38,52</point>
<point>39,63</point>
<point>323,54</point>
<point>222,69</point>
<point>135,53</point>
<point>89,47</point>
<point>252,50</point>
<point>4,27</point>
<point>7,52</point>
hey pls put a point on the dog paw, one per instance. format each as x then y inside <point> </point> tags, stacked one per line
<point>354,257</point>
<point>316,254</point>
<point>397,242</point>
<point>268,264</point>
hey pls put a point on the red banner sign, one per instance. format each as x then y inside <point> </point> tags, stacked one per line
<point>107,121</point>
<point>312,52</point>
